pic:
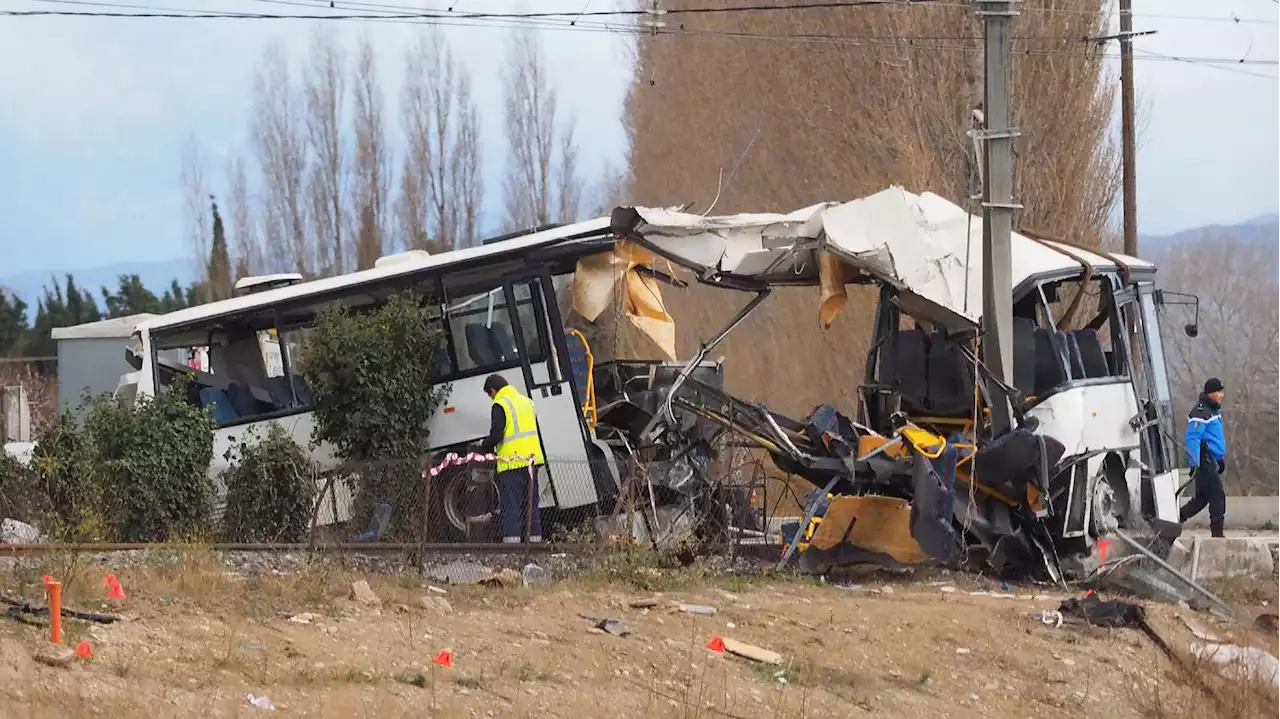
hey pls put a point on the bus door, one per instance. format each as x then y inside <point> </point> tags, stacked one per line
<point>546,379</point>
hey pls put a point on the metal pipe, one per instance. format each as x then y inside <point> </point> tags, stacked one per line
<point>1190,582</point>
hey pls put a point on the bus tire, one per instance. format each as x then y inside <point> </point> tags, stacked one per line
<point>456,498</point>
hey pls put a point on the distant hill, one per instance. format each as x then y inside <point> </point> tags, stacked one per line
<point>1262,229</point>
<point>156,276</point>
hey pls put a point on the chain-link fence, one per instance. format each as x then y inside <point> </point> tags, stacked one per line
<point>464,502</point>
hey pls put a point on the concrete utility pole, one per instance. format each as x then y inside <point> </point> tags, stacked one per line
<point>997,203</point>
<point>1128,159</point>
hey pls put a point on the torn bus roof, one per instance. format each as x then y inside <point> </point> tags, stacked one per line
<point>924,245</point>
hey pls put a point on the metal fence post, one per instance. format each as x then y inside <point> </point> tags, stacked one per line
<point>530,498</point>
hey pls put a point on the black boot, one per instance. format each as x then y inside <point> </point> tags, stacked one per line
<point>1215,528</point>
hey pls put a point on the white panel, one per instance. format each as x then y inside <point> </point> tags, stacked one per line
<point>1091,418</point>
<point>1164,489</point>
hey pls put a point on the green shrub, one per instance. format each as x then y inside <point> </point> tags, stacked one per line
<point>370,377</point>
<point>18,498</point>
<point>153,460</point>
<point>270,491</point>
<point>66,483</point>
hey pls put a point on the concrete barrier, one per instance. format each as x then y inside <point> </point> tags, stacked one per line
<point>1224,557</point>
<point>1242,513</point>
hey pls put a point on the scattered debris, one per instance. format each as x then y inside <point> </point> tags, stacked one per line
<point>435,590</point>
<point>1199,632</point>
<point>13,531</point>
<point>533,574</point>
<point>304,618</point>
<point>886,589</point>
<point>460,572</point>
<point>948,590</point>
<point>696,609</point>
<point>1049,617</point>
<point>361,592</point>
<point>749,651</point>
<point>439,604</point>
<point>18,606</point>
<point>1236,662</point>
<point>608,625</point>
<point>1267,622</point>
<point>614,627</point>
<point>645,603</point>
<point>261,702</point>
<point>1112,613</point>
<point>962,651</point>
<point>504,578</point>
<point>55,655</point>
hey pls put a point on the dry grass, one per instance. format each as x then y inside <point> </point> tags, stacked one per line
<point>198,639</point>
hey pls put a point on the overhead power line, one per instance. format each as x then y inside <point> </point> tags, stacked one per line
<point>568,20</point>
<point>414,13</point>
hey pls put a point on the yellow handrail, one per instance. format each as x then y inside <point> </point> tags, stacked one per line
<point>588,406</point>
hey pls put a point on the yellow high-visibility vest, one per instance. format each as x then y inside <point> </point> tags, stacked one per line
<point>520,438</point>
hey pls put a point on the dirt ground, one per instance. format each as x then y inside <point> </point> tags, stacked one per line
<point>198,638</point>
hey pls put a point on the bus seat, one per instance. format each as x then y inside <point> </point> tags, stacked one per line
<point>908,354</point>
<point>1024,355</point>
<point>220,404</point>
<point>503,345</point>
<point>479,345</point>
<point>950,384</point>
<point>1049,371</point>
<point>1092,357</point>
<point>1071,354</point>
<point>242,400</point>
<point>278,388</point>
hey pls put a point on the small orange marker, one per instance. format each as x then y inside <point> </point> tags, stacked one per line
<point>716,644</point>
<point>84,651</point>
<point>1103,546</point>
<point>115,591</point>
<point>444,659</point>
<point>55,611</point>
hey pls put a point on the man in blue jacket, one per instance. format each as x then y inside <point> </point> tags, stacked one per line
<point>1207,457</point>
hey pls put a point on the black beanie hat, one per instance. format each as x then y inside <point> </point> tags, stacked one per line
<point>1213,385</point>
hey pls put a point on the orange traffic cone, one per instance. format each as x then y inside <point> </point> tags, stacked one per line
<point>114,590</point>
<point>716,644</point>
<point>444,659</point>
<point>84,651</point>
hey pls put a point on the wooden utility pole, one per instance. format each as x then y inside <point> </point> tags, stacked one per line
<point>1128,158</point>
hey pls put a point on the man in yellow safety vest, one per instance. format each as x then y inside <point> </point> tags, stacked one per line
<point>513,436</point>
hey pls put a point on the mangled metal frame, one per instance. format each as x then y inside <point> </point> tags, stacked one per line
<point>900,241</point>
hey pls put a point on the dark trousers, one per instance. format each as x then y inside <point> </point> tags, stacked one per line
<point>1209,492</point>
<point>513,491</point>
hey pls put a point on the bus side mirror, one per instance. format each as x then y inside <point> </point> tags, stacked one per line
<point>132,358</point>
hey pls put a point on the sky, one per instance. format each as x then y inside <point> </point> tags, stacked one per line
<point>94,112</point>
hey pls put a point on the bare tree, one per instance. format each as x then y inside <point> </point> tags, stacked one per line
<point>440,187</point>
<point>280,145</point>
<point>542,185</point>
<point>325,88</point>
<point>835,121</point>
<point>247,257</point>
<point>372,168</point>
<point>1236,343</point>
<point>195,193</point>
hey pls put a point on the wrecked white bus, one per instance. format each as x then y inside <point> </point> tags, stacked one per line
<point>916,475</point>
